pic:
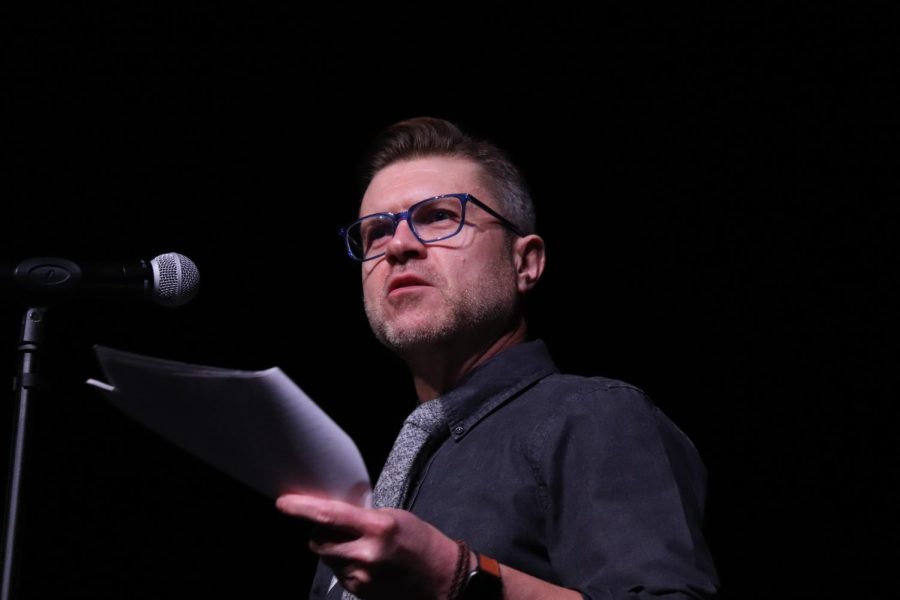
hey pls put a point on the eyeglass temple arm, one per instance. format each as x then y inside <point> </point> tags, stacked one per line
<point>494,213</point>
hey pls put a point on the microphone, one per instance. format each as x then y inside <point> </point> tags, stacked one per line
<point>170,279</point>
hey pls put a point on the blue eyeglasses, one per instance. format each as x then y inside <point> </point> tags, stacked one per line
<point>430,220</point>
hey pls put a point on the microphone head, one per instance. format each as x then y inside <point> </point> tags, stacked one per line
<point>175,279</point>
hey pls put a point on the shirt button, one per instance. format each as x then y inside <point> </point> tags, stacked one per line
<point>458,430</point>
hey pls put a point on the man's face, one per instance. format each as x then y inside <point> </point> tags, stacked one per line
<point>420,295</point>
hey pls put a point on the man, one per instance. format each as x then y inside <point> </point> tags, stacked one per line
<point>577,487</point>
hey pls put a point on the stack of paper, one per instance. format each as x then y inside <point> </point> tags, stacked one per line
<point>256,426</point>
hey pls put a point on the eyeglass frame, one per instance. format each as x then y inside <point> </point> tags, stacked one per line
<point>464,199</point>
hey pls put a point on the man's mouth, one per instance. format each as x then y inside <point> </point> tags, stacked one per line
<point>405,281</point>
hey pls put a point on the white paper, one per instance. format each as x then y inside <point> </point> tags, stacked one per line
<point>256,426</point>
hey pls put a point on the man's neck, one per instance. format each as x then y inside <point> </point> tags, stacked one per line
<point>438,369</point>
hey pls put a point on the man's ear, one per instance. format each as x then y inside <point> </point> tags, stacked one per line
<point>529,258</point>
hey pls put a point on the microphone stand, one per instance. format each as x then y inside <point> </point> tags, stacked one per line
<point>27,380</point>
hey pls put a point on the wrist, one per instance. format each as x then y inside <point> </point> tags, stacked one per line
<point>477,577</point>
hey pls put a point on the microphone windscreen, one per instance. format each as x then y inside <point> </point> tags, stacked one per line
<point>175,279</point>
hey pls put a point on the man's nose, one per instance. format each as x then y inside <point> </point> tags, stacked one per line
<point>404,245</point>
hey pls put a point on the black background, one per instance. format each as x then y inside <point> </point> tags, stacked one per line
<point>711,182</point>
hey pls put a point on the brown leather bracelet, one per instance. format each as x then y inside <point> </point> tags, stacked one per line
<point>461,574</point>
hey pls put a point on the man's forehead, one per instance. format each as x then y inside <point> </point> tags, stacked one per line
<point>401,184</point>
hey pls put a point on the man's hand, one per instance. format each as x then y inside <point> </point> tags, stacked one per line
<point>377,553</point>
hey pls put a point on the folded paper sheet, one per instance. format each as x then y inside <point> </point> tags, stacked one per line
<point>256,426</point>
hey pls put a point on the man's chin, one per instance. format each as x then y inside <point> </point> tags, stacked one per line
<point>411,339</point>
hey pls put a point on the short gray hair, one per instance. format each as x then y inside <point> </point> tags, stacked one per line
<point>428,136</point>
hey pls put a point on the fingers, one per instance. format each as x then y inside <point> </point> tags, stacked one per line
<point>342,530</point>
<point>381,552</point>
<point>320,511</point>
<point>338,536</point>
<point>334,514</point>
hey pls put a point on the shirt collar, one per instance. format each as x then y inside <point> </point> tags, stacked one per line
<point>495,382</point>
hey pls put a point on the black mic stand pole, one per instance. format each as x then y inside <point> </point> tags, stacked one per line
<point>26,381</point>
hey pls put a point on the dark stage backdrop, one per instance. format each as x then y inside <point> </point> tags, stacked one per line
<point>710,184</point>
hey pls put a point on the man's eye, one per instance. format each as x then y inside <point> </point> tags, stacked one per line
<point>440,215</point>
<point>437,215</point>
<point>374,234</point>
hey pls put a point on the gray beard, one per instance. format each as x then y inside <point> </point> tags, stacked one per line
<point>466,314</point>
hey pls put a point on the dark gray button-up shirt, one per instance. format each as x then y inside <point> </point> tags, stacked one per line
<point>579,481</point>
